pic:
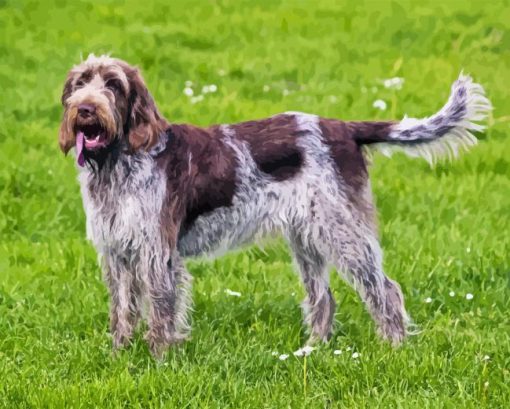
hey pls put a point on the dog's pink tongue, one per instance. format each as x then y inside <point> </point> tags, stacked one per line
<point>80,139</point>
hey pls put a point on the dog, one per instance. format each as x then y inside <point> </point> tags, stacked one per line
<point>155,193</point>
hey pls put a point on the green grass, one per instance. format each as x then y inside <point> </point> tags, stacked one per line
<point>443,229</point>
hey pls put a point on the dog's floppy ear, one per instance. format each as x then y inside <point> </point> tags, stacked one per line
<point>66,138</point>
<point>144,123</point>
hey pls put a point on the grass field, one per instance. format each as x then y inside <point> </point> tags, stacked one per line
<point>443,230</point>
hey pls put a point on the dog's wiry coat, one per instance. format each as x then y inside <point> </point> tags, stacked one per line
<point>156,192</point>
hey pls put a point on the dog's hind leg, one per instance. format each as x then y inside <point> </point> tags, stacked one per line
<point>318,305</point>
<point>357,254</point>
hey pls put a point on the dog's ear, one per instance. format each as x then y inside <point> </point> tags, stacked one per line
<point>144,124</point>
<point>66,138</point>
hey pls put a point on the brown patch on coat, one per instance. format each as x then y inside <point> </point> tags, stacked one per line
<point>368,132</point>
<point>272,143</point>
<point>345,152</point>
<point>341,138</point>
<point>345,139</point>
<point>200,171</point>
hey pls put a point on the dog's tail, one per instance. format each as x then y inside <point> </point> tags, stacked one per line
<point>443,134</point>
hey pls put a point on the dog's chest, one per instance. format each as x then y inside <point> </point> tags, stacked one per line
<point>123,205</point>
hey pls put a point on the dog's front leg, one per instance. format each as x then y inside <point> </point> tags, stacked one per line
<point>169,286</point>
<point>125,298</point>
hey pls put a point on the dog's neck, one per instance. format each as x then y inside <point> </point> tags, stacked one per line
<point>119,152</point>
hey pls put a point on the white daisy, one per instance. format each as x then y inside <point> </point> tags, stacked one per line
<point>188,92</point>
<point>394,83</point>
<point>206,89</point>
<point>451,293</point>
<point>305,351</point>
<point>337,351</point>
<point>380,104</point>
<point>469,296</point>
<point>283,357</point>
<point>356,355</point>
<point>428,300</point>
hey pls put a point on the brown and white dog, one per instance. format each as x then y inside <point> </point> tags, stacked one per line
<point>155,193</point>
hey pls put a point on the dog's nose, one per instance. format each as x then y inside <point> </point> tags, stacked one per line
<point>86,109</point>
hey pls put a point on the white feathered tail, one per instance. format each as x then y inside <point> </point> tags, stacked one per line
<point>443,134</point>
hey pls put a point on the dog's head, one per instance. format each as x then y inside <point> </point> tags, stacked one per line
<point>106,101</point>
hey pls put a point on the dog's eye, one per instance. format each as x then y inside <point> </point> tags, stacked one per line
<point>79,83</point>
<point>114,85</point>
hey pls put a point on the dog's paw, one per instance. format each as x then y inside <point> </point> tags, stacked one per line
<point>160,341</point>
<point>120,340</point>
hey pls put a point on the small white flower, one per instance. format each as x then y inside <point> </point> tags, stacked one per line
<point>196,99</point>
<point>486,384</point>
<point>283,357</point>
<point>274,353</point>
<point>486,358</point>
<point>266,88</point>
<point>308,350</point>
<point>188,91</point>
<point>468,250</point>
<point>428,300</point>
<point>333,99</point>
<point>469,296</point>
<point>379,104</point>
<point>285,92</point>
<point>293,294</point>
<point>206,89</point>
<point>356,355</point>
<point>337,351</point>
<point>394,83</point>
<point>232,293</point>
<point>305,351</point>
<point>348,348</point>
<point>451,293</point>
